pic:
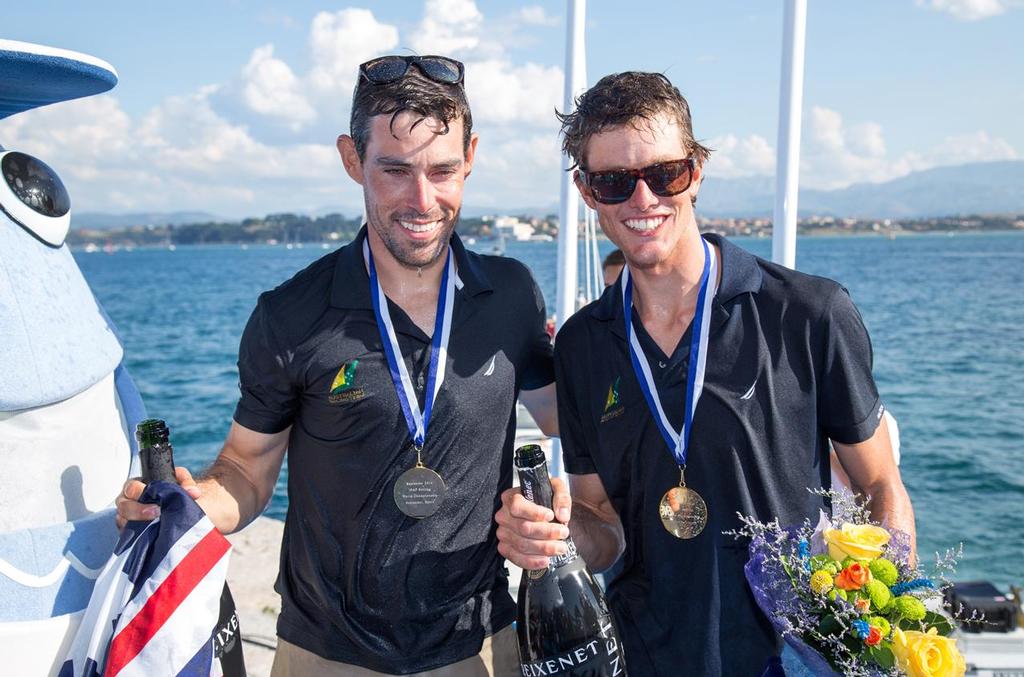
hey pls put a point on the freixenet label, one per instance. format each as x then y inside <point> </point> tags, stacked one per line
<point>600,657</point>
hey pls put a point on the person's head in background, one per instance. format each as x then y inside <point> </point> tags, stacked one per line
<point>612,266</point>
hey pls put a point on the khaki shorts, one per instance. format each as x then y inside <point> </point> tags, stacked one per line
<point>498,657</point>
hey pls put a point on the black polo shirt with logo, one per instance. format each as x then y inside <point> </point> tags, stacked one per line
<point>361,582</point>
<point>788,367</point>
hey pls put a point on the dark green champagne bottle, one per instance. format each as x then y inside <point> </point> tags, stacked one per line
<point>155,453</point>
<point>157,459</point>
<point>564,624</point>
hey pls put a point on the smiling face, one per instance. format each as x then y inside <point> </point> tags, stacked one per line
<point>651,231</point>
<point>412,175</point>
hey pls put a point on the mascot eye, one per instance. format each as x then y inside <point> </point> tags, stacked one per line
<point>34,197</point>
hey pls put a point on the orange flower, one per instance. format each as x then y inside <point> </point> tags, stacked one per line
<point>862,605</point>
<point>874,636</point>
<point>853,577</point>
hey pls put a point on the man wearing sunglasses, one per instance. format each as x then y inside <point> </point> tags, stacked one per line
<point>704,383</point>
<point>389,370</point>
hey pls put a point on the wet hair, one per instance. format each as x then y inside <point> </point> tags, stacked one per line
<point>414,94</point>
<point>622,99</point>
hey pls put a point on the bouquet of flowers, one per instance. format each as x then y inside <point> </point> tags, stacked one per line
<point>844,594</point>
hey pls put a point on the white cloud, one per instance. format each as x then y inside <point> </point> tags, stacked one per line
<point>515,169</point>
<point>969,10</point>
<point>835,155</point>
<point>501,92</point>
<point>448,27</point>
<point>270,88</point>
<point>342,40</point>
<point>733,156</point>
<point>179,155</point>
<point>536,15</point>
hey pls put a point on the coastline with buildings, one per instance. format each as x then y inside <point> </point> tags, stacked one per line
<point>299,230</point>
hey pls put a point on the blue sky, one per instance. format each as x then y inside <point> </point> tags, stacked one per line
<point>233,108</point>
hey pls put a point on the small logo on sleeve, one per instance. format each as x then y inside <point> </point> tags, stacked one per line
<point>344,389</point>
<point>612,406</point>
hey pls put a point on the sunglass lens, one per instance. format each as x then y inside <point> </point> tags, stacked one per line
<point>440,70</point>
<point>612,187</point>
<point>386,70</point>
<point>669,178</point>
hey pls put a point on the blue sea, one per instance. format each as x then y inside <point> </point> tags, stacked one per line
<point>946,317</point>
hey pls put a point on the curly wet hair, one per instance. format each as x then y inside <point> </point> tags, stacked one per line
<point>415,94</point>
<point>621,99</point>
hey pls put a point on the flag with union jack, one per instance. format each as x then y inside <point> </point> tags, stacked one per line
<point>156,603</point>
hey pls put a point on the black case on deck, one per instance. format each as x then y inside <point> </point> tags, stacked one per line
<point>999,609</point>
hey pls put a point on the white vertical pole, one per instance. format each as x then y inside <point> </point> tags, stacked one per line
<point>568,226</point>
<point>787,168</point>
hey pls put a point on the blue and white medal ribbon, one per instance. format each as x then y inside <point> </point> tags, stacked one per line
<point>682,510</point>
<point>419,491</point>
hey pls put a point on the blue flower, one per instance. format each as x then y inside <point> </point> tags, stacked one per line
<point>861,629</point>
<point>915,584</point>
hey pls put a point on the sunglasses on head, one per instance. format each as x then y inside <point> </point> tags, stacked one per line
<point>392,68</point>
<point>665,179</point>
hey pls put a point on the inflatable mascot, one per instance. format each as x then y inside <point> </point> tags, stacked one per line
<point>68,408</point>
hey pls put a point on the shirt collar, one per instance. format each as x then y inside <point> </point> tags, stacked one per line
<point>351,285</point>
<point>740,274</point>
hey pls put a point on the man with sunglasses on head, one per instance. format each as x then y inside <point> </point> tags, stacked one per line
<point>389,370</point>
<point>704,383</point>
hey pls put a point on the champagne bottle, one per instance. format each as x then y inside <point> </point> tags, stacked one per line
<point>157,459</point>
<point>564,625</point>
<point>155,453</point>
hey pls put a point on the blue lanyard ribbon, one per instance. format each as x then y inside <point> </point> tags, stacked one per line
<point>416,421</point>
<point>677,442</point>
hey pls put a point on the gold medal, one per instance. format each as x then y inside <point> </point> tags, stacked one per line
<point>419,491</point>
<point>683,512</point>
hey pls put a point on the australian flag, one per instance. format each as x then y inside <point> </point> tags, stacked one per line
<point>155,607</point>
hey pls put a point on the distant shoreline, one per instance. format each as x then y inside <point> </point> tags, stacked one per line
<point>333,229</point>
<point>117,244</point>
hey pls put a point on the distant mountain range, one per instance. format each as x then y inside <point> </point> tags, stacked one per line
<point>978,188</point>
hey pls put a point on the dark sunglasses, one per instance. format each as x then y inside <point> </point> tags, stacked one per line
<point>617,185</point>
<point>393,68</point>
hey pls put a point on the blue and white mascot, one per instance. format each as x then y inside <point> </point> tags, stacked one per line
<point>67,406</point>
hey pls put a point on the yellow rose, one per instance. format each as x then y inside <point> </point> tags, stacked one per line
<point>859,541</point>
<point>926,654</point>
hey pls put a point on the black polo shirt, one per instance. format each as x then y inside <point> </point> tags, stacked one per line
<point>789,366</point>
<point>360,582</point>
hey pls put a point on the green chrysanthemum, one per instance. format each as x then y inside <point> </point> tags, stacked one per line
<point>882,624</point>
<point>879,594</point>
<point>909,607</point>
<point>884,570</point>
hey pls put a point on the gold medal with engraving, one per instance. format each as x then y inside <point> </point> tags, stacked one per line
<point>683,512</point>
<point>419,491</point>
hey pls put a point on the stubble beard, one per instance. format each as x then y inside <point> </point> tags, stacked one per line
<point>405,252</point>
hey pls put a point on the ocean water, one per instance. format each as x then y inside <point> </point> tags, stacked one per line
<point>946,316</point>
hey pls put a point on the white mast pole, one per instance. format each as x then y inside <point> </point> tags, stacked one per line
<point>568,226</point>
<point>787,168</point>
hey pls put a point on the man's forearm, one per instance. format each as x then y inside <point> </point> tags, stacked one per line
<point>599,542</point>
<point>230,499</point>
<point>890,504</point>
